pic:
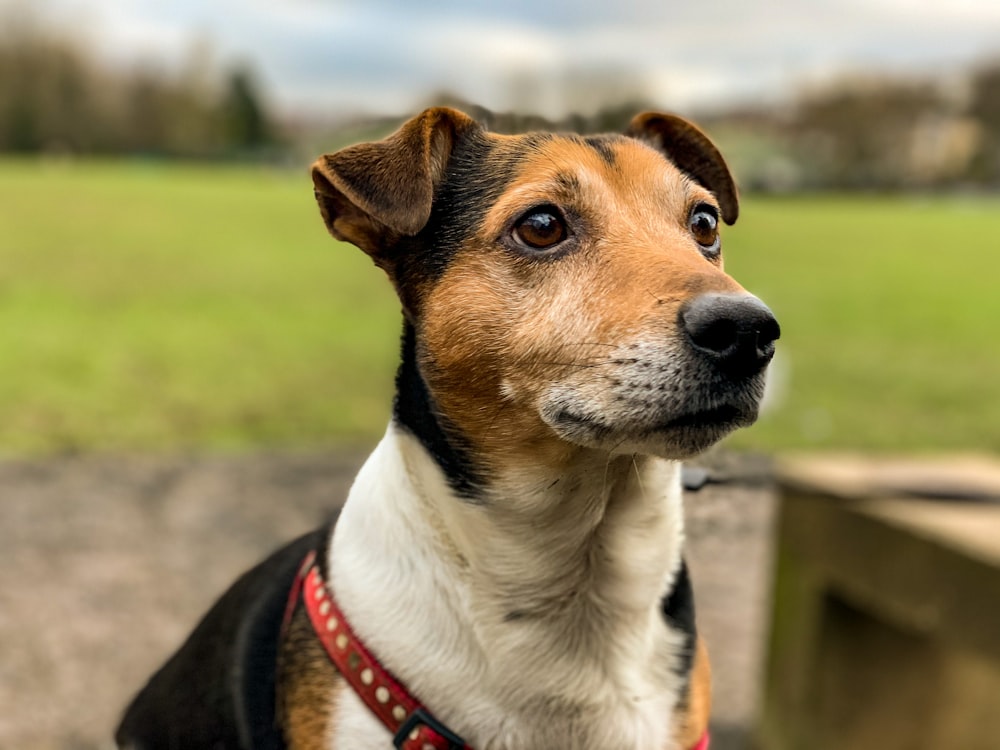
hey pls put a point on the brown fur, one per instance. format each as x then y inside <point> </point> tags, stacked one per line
<point>693,724</point>
<point>692,151</point>
<point>358,190</point>
<point>308,686</point>
<point>488,320</point>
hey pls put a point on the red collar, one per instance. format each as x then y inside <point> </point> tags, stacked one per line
<point>412,725</point>
<point>702,743</point>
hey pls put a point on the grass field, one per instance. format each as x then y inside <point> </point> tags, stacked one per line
<point>159,307</point>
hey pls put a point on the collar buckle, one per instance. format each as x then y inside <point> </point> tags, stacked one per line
<point>422,717</point>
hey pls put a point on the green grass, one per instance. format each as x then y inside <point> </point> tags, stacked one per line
<point>165,307</point>
<point>146,306</point>
<point>890,309</point>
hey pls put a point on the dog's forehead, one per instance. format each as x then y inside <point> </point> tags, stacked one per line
<point>614,160</point>
<point>505,171</point>
<point>491,177</point>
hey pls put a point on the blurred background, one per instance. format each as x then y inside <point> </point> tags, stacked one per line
<point>167,283</point>
<point>174,317</point>
<point>158,238</point>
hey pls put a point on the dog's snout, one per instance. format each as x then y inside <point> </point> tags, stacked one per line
<point>735,331</point>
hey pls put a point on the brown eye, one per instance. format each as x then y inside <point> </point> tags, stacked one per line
<point>541,228</point>
<point>704,226</point>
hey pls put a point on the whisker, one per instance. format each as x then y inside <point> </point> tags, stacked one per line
<point>618,445</point>
<point>607,465</point>
<point>638,478</point>
<point>582,365</point>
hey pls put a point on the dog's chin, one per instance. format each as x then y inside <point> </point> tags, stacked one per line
<point>676,436</point>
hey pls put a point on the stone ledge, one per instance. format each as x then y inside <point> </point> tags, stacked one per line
<point>886,620</point>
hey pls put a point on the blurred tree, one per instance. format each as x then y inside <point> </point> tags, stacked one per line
<point>246,125</point>
<point>54,97</point>
<point>984,107</point>
<point>861,134</point>
<point>145,116</point>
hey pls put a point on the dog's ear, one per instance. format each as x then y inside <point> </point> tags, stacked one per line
<point>373,193</point>
<point>692,152</point>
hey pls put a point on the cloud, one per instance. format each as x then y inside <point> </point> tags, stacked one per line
<point>385,55</point>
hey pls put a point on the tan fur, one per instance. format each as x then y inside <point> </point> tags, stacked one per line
<point>693,724</point>
<point>308,686</point>
<point>693,152</point>
<point>490,328</point>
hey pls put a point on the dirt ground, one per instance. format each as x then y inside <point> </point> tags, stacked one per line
<point>107,563</point>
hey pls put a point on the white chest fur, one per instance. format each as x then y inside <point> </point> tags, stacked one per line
<point>530,621</point>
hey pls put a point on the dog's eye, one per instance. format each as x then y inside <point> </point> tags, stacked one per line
<point>704,226</point>
<point>541,228</point>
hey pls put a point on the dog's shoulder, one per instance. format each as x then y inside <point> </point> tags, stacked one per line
<point>218,689</point>
<point>308,685</point>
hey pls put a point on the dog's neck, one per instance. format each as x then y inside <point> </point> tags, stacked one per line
<point>548,544</point>
<point>545,593</point>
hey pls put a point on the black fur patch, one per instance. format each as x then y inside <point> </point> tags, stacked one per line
<point>218,689</point>
<point>569,183</point>
<point>604,146</point>
<point>476,176</point>
<point>678,610</point>
<point>414,410</point>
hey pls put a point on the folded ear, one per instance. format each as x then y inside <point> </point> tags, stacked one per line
<point>373,193</point>
<point>692,152</point>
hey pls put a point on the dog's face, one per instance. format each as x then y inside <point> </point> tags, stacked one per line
<point>565,291</point>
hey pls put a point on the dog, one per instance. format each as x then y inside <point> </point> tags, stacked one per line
<point>507,570</point>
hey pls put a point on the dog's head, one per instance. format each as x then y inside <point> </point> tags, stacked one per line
<point>565,291</point>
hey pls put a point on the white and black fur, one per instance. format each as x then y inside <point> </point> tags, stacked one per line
<point>512,549</point>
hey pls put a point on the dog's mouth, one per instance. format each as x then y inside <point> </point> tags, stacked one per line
<point>663,408</point>
<point>726,415</point>
<point>709,423</point>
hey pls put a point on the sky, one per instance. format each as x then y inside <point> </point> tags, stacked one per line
<point>330,57</point>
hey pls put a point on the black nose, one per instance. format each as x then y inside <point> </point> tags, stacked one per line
<point>735,331</point>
